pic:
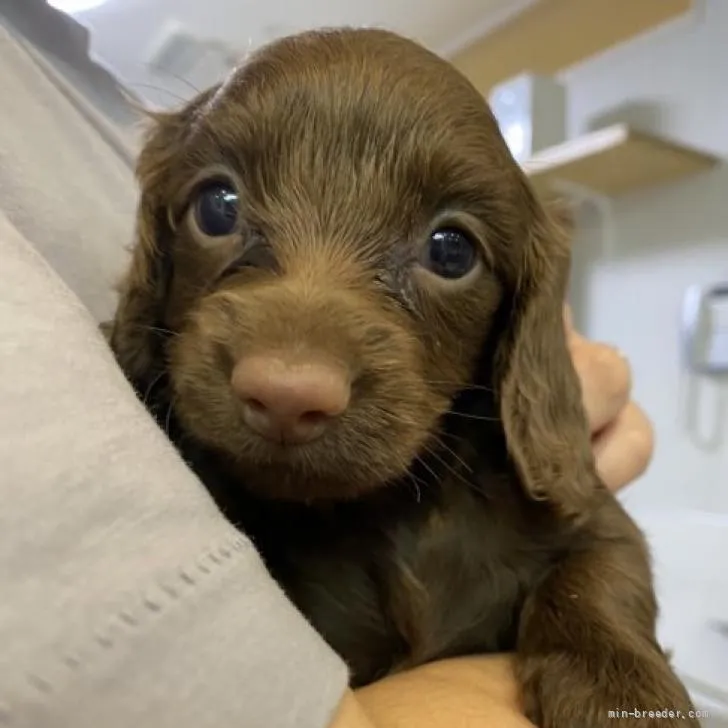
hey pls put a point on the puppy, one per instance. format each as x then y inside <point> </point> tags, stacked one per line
<point>345,306</point>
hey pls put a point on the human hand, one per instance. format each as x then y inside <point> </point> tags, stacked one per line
<point>622,435</point>
<point>468,692</point>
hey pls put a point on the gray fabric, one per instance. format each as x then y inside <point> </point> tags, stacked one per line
<point>66,44</point>
<point>61,184</point>
<point>126,598</point>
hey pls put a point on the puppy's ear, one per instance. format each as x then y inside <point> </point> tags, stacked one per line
<point>539,392</point>
<point>136,334</point>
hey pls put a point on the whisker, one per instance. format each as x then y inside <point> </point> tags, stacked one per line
<point>154,329</point>
<point>452,452</point>
<point>150,387</point>
<point>469,416</point>
<point>416,484</point>
<point>168,418</point>
<point>158,330</point>
<point>176,77</point>
<point>425,465</point>
<point>452,470</point>
<point>152,87</point>
<point>447,434</point>
<point>460,385</point>
<point>479,388</point>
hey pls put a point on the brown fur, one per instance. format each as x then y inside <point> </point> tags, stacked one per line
<point>455,506</point>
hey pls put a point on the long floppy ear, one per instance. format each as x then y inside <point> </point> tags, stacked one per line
<point>136,334</point>
<point>539,393</point>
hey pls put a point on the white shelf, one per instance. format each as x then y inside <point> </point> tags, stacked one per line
<point>616,160</point>
<point>551,35</point>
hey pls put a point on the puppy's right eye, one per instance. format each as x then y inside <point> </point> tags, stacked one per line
<point>216,209</point>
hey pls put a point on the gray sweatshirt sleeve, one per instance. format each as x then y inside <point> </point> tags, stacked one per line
<point>126,598</point>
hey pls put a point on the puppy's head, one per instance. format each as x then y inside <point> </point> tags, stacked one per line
<point>331,246</point>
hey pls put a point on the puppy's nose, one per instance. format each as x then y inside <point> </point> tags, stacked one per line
<point>290,402</point>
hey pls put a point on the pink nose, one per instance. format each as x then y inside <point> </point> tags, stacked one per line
<point>290,402</point>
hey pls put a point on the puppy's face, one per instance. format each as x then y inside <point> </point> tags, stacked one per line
<point>338,224</point>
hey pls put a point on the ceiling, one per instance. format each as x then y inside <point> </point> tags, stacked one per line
<point>126,34</point>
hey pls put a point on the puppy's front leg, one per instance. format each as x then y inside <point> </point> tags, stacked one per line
<point>587,651</point>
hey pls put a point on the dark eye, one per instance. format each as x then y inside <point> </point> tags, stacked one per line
<point>449,253</point>
<point>216,209</point>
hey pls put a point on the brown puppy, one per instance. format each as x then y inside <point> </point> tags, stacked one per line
<point>345,305</point>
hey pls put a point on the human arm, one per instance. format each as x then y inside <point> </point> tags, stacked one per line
<point>127,599</point>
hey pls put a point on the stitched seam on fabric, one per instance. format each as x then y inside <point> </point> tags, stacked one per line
<point>129,621</point>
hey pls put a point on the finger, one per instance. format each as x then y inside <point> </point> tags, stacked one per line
<point>572,336</point>
<point>624,448</point>
<point>464,692</point>
<point>568,319</point>
<point>606,381</point>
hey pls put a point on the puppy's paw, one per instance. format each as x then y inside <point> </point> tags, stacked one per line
<point>630,690</point>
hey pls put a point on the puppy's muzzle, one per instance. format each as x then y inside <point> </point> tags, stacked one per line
<point>290,401</point>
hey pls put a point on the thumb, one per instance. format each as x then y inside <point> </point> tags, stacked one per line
<point>572,336</point>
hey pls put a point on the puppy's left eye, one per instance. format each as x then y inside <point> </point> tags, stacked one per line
<point>216,209</point>
<point>449,253</point>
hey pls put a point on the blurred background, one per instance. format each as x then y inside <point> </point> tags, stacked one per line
<point>134,36</point>
<point>618,106</point>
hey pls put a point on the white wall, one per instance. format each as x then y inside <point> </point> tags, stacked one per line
<point>124,32</point>
<point>628,285</point>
